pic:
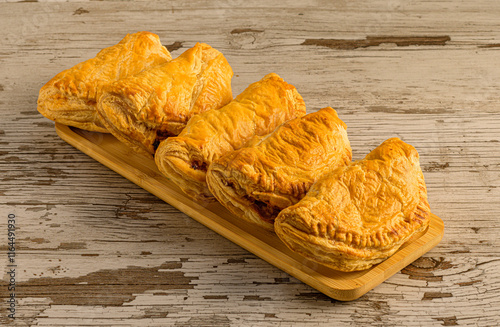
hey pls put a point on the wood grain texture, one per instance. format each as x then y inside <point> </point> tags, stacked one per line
<point>80,223</point>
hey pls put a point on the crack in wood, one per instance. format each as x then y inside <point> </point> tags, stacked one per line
<point>409,111</point>
<point>374,41</point>
<point>282,280</point>
<point>124,210</point>
<point>245,30</point>
<point>468,283</point>
<point>44,182</point>
<point>256,298</point>
<point>215,297</point>
<point>43,124</point>
<point>491,45</point>
<point>232,260</point>
<point>460,251</point>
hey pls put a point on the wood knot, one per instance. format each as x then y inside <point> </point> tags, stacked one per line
<point>425,263</point>
<point>247,38</point>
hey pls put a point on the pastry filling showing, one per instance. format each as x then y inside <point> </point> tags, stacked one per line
<point>199,165</point>
<point>156,144</point>
<point>266,211</point>
<point>160,136</point>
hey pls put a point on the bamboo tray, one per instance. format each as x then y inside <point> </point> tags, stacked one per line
<point>335,284</point>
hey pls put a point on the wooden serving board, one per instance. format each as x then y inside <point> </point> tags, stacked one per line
<point>336,284</point>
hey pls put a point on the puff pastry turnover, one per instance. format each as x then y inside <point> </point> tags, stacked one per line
<point>71,96</point>
<point>257,182</point>
<point>144,109</point>
<point>257,111</point>
<point>358,215</point>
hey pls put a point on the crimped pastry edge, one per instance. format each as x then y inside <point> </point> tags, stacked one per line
<point>54,101</point>
<point>322,251</point>
<point>256,186</point>
<point>180,147</point>
<point>112,106</point>
<point>336,253</point>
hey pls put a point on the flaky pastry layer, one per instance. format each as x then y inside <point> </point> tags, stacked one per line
<point>257,182</point>
<point>257,111</point>
<point>71,96</point>
<point>144,109</point>
<point>360,214</point>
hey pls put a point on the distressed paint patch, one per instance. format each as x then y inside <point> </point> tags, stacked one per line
<point>375,41</point>
<point>107,287</point>
<point>174,46</point>
<point>256,298</point>
<point>423,269</point>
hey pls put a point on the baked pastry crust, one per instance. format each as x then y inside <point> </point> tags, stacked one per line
<point>257,182</point>
<point>359,215</point>
<point>70,97</point>
<point>257,111</point>
<point>144,109</point>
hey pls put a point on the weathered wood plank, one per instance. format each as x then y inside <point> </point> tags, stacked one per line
<point>80,223</point>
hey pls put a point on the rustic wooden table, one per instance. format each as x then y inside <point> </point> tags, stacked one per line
<point>93,249</point>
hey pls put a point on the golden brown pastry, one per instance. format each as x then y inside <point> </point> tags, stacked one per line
<point>358,215</point>
<point>70,97</point>
<point>257,111</point>
<point>144,109</point>
<point>257,182</point>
